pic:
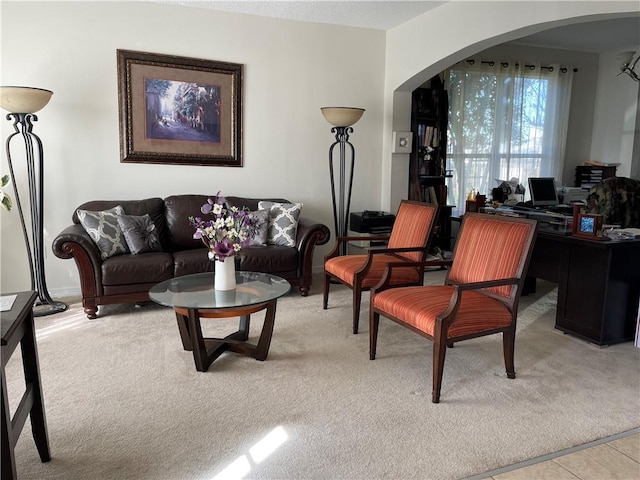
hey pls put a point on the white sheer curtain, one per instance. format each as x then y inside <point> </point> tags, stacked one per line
<point>505,120</point>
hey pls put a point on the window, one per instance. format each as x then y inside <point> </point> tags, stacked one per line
<point>505,121</point>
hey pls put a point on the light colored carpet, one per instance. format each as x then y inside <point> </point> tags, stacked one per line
<point>124,401</point>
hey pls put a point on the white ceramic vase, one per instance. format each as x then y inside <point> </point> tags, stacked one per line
<point>225,274</point>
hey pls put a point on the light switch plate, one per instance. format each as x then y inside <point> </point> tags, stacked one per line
<point>402,142</point>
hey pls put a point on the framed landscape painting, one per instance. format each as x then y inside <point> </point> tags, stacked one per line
<point>179,110</point>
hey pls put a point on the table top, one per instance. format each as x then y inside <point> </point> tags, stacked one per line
<point>196,291</point>
<point>10,319</point>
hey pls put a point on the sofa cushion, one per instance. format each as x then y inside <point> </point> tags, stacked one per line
<point>104,230</point>
<point>178,209</point>
<point>152,267</point>
<point>251,203</point>
<point>271,259</point>
<point>262,218</point>
<point>153,206</point>
<point>283,222</point>
<point>191,261</point>
<point>140,233</point>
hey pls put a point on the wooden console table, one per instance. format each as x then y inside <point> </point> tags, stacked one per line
<point>598,285</point>
<point>18,328</point>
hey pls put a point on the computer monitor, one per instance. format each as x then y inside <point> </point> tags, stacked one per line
<point>543,191</point>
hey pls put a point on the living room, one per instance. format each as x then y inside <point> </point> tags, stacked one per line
<point>280,75</point>
<point>291,70</point>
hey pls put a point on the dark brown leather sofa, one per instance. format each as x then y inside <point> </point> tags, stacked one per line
<point>127,278</point>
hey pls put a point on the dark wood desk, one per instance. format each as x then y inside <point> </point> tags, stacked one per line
<point>598,285</point>
<point>18,328</point>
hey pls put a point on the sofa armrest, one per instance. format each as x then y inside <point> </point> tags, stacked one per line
<point>74,242</point>
<point>309,235</point>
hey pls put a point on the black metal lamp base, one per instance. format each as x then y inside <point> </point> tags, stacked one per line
<point>23,125</point>
<point>43,309</point>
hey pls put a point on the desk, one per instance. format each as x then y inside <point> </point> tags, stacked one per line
<point>598,285</point>
<point>18,328</point>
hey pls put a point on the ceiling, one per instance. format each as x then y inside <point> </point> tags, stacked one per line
<point>376,14</point>
<point>596,37</point>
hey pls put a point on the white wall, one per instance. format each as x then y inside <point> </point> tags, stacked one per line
<point>615,125</point>
<point>291,70</point>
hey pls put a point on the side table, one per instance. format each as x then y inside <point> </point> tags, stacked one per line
<point>18,328</point>
<point>193,297</point>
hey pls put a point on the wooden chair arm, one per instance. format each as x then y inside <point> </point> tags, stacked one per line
<point>485,284</point>
<point>391,251</point>
<point>448,315</point>
<point>386,251</point>
<point>385,281</point>
<point>340,240</point>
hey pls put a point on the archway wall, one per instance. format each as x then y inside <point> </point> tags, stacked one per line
<point>421,48</point>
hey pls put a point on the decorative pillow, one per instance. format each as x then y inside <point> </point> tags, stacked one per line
<point>104,230</point>
<point>260,233</point>
<point>140,233</point>
<point>283,222</point>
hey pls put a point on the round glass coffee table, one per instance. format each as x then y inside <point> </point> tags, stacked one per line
<point>193,297</point>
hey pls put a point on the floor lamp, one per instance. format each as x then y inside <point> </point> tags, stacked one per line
<point>22,103</point>
<point>341,118</point>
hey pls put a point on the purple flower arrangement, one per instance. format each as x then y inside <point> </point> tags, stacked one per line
<point>227,232</point>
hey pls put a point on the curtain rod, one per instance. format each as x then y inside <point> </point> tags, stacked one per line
<point>491,63</point>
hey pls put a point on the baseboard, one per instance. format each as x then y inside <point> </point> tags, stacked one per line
<point>65,292</point>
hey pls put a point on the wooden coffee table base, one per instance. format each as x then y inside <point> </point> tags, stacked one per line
<point>206,350</point>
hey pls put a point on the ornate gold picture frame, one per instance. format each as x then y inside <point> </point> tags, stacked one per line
<point>179,110</point>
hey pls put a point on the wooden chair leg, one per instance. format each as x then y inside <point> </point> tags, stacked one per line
<point>508,345</point>
<point>439,352</point>
<point>374,322</point>
<point>325,292</point>
<point>357,300</point>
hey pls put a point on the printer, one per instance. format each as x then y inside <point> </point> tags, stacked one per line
<point>570,195</point>
<point>372,222</point>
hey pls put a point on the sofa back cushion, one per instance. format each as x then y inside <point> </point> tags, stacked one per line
<point>251,203</point>
<point>154,207</point>
<point>178,209</point>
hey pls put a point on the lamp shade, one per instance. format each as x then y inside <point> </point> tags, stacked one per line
<point>23,99</point>
<point>342,116</point>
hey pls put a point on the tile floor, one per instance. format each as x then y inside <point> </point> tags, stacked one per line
<point>615,457</point>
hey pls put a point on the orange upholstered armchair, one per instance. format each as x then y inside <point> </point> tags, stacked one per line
<point>408,242</point>
<point>479,297</point>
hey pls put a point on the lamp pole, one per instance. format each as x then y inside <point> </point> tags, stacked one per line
<point>23,125</point>
<point>341,211</point>
<point>342,118</point>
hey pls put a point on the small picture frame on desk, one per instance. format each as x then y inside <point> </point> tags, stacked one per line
<point>589,225</point>
<point>470,206</point>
